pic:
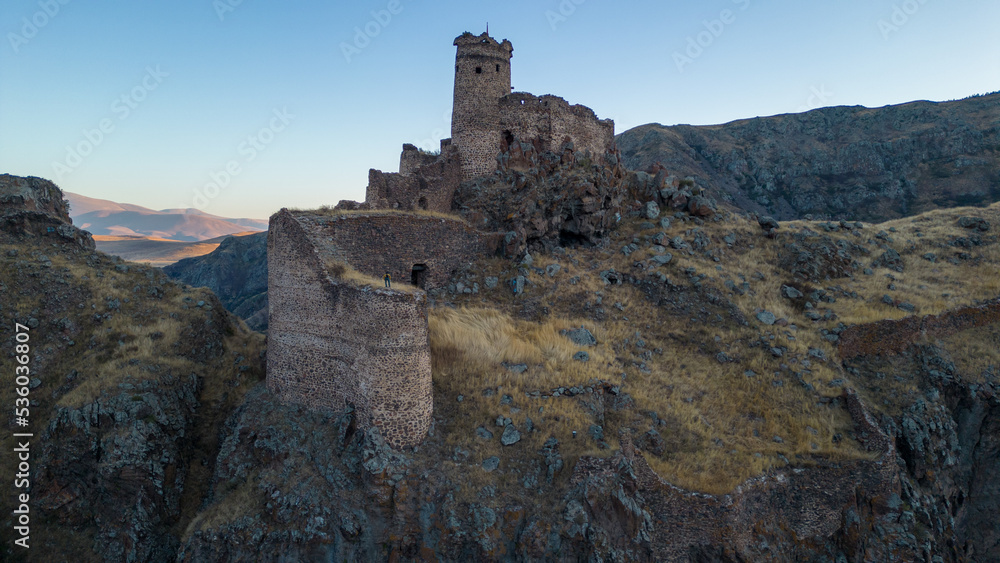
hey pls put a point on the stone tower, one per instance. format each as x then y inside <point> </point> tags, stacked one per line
<point>482,77</point>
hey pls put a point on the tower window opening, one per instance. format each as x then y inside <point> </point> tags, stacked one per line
<point>456,68</point>
<point>479,70</point>
<point>498,68</point>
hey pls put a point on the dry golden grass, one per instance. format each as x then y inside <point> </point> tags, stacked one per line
<point>975,352</point>
<point>719,425</point>
<point>331,212</point>
<point>116,323</point>
<point>469,347</point>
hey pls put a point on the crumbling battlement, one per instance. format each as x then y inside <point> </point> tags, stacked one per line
<point>550,121</point>
<point>482,77</point>
<point>334,344</point>
<point>424,181</point>
<point>413,158</point>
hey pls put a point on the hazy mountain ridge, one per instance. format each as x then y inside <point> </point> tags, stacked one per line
<point>840,162</point>
<point>109,218</point>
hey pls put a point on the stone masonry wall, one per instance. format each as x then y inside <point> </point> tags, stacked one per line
<point>332,344</point>
<point>424,182</point>
<point>413,158</point>
<point>374,243</point>
<point>549,121</point>
<point>482,77</point>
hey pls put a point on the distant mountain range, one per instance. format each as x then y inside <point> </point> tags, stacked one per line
<point>108,218</point>
<point>871,164</point>
<point>160,252</point>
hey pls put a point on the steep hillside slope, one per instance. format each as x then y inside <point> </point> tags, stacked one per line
<point>689,391</point>
<point>662,386</point>
<point>673,388</point>
<point>840,162</point>
<point>129,377</point>
<point>236,271</point>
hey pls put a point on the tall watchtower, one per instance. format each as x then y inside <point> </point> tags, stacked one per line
<point>482,77</point>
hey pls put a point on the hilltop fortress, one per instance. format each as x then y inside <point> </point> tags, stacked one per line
<point>335,342</point>
<point>486,120</point>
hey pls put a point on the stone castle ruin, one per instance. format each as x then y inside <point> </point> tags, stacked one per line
<point>334,342</point>
<point>486,120</point>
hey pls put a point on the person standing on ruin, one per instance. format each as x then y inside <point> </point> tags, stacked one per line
<point>388,280</point>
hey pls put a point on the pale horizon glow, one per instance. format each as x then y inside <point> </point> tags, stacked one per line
<point>290,105</point>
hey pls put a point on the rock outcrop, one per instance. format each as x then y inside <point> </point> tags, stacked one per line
<point>543,199</point>
<point>930,496</point>
<point>34,207</point>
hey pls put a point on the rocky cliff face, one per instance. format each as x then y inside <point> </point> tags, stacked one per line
<point>130,375</point>
<point>236,272</point>
<point>839,162</point>
<point>306,486</point>
<point>543,199</point>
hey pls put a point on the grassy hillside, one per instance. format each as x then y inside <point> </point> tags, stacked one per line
<point>735,373</point>
<point>144,368</point>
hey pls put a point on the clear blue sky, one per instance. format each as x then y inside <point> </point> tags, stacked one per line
<point>201,77</point>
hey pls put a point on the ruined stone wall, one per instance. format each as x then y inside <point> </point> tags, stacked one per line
<point>374,243</point>
<point>549,121</point>
<point>413,158</point>
<point>482,77</point>
<point>429,182</point>
<point>889,337</point>
<point>332,344</point>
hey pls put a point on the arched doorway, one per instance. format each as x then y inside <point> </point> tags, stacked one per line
<point>418,275</point>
